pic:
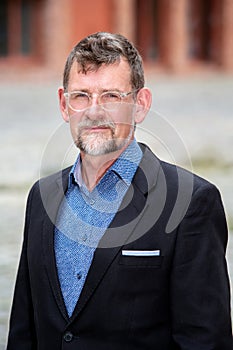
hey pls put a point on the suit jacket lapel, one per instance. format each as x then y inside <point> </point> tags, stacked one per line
<point>104,255</point>
<point>51,200</point>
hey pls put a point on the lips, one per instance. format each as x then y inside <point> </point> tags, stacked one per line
<point>96,125</point>
<point>96,128</point>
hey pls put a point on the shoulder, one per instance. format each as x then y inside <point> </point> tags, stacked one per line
<point>175,174</point>
<point>183,187</point>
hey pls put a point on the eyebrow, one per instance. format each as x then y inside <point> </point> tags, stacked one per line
<point>101,91</point>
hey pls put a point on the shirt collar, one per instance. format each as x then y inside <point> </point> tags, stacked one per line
<point>75,175</point>
<point>125,166</point>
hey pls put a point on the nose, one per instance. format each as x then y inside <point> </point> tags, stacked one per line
<point>94,111</point>
<point>94,100</point>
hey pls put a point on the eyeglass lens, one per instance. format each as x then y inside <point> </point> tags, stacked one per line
<point>80,100</point>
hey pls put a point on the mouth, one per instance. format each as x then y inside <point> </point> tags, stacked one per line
<point>96,129</point>
<point>96,126</point>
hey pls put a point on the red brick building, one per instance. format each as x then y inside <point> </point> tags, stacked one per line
<point>173,35</point>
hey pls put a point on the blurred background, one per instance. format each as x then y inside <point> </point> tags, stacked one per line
<point>187,49</point>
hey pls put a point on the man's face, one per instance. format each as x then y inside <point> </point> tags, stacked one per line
<point>97,130</point>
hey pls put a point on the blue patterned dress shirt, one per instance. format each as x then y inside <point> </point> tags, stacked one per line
<point>83,218</point>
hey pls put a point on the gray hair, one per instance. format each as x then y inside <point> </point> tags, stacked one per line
<point>105,48</point>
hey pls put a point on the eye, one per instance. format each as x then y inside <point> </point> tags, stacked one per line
<point>110,96</point>
<point>79,95</point>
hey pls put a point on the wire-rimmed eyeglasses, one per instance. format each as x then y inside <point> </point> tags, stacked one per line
<point>109,100</point>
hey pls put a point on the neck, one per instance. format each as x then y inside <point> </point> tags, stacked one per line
<point>94,167</point>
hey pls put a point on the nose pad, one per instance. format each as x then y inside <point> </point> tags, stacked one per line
<point>94,100</point>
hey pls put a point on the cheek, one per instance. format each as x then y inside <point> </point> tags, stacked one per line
<point>124,116</point>
<point>122,130</point>
<point>74,121</point>
<point>75,116</point>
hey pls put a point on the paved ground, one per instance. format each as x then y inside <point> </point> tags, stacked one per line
<point>191,123</point>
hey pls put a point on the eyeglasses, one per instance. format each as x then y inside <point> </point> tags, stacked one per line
<point>109,100</point>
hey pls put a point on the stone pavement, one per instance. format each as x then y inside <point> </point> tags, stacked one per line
<point>191,123</point>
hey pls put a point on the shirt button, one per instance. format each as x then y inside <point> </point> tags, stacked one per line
<point>68,336</point>
<point>84,238</point>
<point>92,201</point>
<point>79,275</point>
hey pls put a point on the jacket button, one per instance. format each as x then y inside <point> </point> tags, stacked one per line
<point>68,336</point>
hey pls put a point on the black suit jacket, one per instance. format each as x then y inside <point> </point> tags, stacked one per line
<point>176,300</point>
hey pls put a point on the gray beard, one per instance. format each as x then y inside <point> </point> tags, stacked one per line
<point>97,145</point>
<point>100,147</point>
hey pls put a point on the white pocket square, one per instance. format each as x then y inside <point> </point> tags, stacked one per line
<point>141,252</point>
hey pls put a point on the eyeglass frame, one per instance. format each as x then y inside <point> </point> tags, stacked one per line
<point>90,97</point>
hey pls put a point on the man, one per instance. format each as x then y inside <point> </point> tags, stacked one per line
<point>122,250</point>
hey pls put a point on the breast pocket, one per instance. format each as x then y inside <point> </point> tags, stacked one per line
<point>139,261</point>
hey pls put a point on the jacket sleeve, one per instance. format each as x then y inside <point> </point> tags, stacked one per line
<point>200,291</point>
<point>21,331</point>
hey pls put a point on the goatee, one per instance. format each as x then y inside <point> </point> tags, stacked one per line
<point>99,143</point>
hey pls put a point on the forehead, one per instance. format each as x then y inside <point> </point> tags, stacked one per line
<point>116,75</point>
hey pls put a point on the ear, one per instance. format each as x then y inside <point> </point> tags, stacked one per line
<point>144,98</point>
<point>62,104</point>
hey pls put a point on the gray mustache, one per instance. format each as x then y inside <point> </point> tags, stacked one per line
<point>95,123</point>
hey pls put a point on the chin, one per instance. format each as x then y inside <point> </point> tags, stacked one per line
<point>98,146</point>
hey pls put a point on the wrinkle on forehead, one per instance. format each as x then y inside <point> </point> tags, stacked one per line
<point>107,76</point>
